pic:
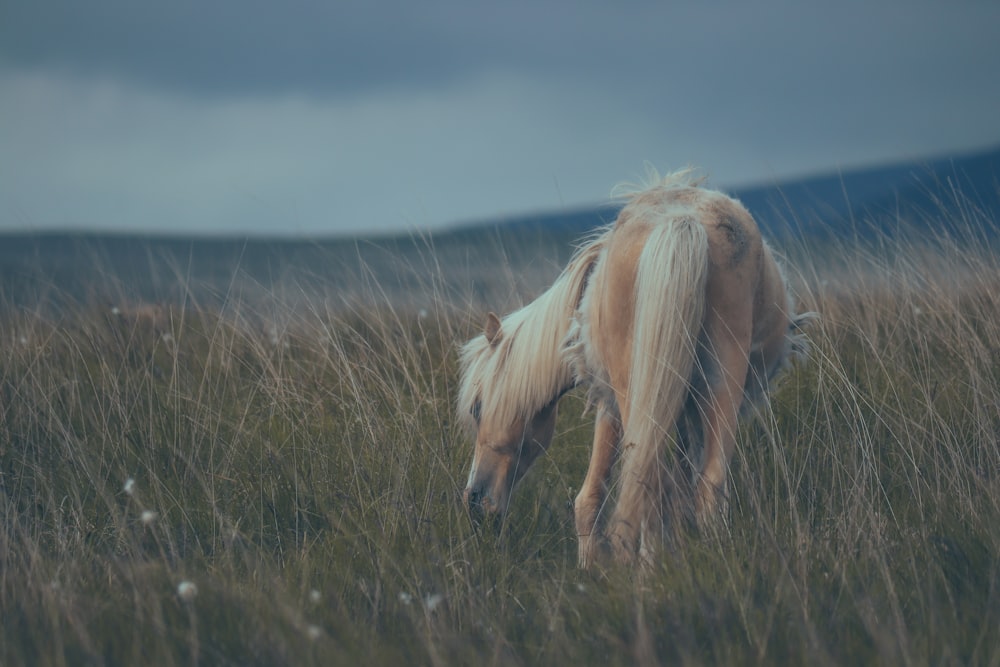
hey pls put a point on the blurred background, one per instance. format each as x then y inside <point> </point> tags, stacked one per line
<point>310,119</point>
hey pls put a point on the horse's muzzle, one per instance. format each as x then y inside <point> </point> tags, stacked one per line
<point>479,502</point>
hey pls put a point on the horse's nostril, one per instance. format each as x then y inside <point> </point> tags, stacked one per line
<point>479,505</point>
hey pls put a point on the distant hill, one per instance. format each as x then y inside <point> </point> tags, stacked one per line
<point>933,195</point>
<point>923,193</point>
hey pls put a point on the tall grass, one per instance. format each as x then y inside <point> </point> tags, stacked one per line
<point>292,454</point>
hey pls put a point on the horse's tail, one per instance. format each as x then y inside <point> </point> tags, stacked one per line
<point>669,313</point>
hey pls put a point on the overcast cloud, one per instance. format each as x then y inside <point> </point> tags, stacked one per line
<point>314,118</point>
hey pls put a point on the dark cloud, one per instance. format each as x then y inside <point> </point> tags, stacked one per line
<point>718,52</point>
<point>331,48</point>
<point>343,47</point>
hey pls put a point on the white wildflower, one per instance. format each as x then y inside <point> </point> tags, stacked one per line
<point>405,597</point>
<point>129,487</point>
<point>314,596</point>
<point>433,601</point>
<point>148,517</point>
<point>187,591</point>
<point>314,632</point>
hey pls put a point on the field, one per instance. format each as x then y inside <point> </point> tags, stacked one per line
<point>271,474</point>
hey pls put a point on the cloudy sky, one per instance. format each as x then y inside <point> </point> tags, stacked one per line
<point>306,117</point>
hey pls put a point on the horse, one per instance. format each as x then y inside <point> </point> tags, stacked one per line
<point>678,318</point>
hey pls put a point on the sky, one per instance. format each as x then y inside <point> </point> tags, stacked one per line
<point>310,118</point>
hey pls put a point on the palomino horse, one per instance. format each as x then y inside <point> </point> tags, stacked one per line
<point>676,317</point>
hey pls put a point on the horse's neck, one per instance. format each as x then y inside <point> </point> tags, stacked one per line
<point>536,366</point>
<point>543,328</point>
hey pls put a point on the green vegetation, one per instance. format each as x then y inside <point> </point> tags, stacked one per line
<point>295,458</point>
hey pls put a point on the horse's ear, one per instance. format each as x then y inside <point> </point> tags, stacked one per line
<point>492,330</point>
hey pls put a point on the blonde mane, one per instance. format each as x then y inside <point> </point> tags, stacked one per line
<point>682,178</point>
<point>525,370</point>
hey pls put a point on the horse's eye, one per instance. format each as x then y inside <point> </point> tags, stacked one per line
<point>476,409</point>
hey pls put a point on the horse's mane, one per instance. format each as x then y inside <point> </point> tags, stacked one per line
<point>525,370</point>
<point>682,178</point>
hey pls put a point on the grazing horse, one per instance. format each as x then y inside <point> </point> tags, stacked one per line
<point>676,316</point>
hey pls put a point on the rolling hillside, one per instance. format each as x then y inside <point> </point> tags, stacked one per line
<point>923,195</point>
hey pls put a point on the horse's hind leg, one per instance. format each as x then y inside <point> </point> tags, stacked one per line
<point>594,492</point>
<point>720,409</point>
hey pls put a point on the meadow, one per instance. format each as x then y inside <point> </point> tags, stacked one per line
<point>272,475</point>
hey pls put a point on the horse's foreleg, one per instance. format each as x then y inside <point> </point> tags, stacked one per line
<point>594,492</point>
<point>720,417</point>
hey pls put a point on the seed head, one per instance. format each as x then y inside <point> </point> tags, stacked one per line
<point>186,590</point>
<point>433,601</point>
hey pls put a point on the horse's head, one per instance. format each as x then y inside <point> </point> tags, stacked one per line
<point>509,436</point>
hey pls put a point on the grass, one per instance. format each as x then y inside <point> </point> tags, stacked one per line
<point>293,454</point>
